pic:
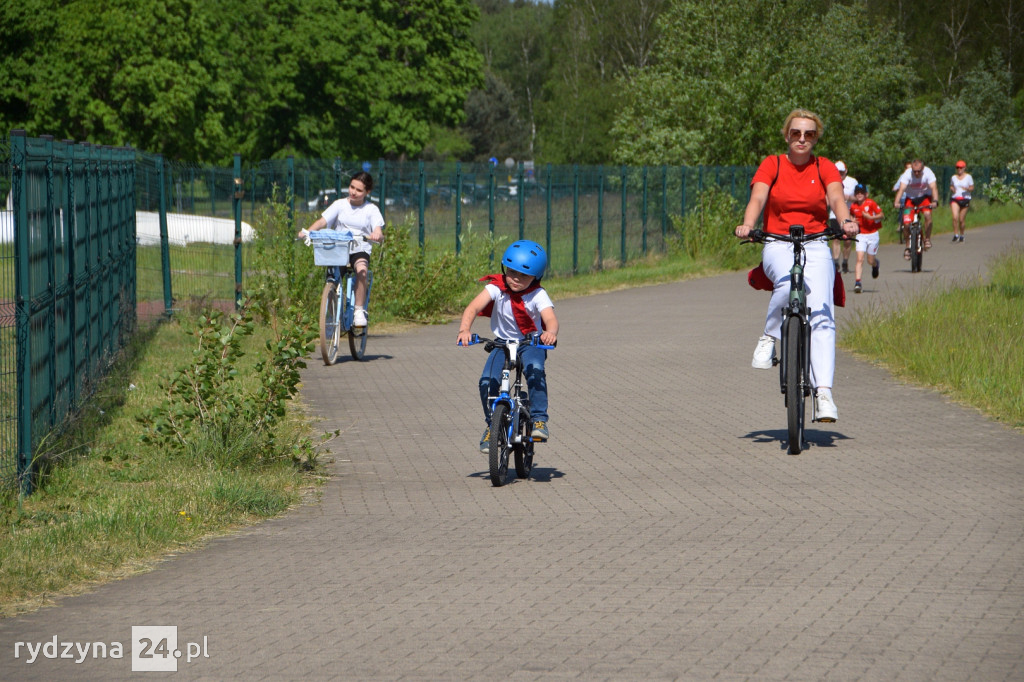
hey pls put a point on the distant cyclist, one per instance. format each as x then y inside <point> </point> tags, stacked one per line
<point>362,217</point>
<point>960,187</point>
<point>918,188</point>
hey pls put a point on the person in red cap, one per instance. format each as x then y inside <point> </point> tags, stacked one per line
<point>960,187</point>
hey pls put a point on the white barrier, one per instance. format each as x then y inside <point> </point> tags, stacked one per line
<point>182,229</point>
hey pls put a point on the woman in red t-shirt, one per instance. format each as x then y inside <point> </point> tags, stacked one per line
<point>798,188</point>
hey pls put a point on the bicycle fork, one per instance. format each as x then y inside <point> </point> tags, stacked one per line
<point>796,312</point>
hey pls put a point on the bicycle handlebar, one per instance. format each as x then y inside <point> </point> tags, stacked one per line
<point>490,344</point>
<point>760,236</point>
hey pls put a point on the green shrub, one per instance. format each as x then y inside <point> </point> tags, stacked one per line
<point>706,232</point>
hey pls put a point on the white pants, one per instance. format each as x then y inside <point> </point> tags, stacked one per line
<point>868,243</point>
<point>819,277</point>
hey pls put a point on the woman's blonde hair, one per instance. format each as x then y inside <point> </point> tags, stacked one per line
<point>803,113</point>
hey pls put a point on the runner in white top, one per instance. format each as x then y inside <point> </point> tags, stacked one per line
<point>842,245</point>
<point>960,187</point>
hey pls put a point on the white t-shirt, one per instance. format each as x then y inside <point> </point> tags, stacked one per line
<point>848,185</point>
<point>917,187</point>
<point>360,220</point>
<point>503,322</point>
<point>959,186</point>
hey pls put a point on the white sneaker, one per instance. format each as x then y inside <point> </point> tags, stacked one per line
<point>825,409</point>
<point>359,317</point>
<point>764,353</point>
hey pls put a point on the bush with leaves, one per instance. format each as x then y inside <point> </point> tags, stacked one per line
<point>408,286</point>
<point>706,232</point>
<point>208,411</point>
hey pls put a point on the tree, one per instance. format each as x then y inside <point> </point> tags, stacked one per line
<point>200,81</point>
<point>715,96</point>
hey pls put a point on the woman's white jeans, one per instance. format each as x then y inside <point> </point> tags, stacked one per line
<point>819,278</point>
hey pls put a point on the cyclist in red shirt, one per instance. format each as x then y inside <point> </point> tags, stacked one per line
<point>869,215</point>
<point>798,188</point>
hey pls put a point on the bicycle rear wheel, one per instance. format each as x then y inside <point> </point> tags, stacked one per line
<point>794,386</point>
<point>499,447</point>
<point>330,330</point>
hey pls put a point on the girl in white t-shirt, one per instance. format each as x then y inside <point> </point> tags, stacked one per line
<point>362,218</point>
<point>960,187</point>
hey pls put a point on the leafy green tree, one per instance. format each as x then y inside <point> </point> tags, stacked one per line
<point>719,95</point>
<point>200,81</point>
<point>596,47</point>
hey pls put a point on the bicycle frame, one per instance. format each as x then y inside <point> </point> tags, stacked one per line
<point>797,308</point>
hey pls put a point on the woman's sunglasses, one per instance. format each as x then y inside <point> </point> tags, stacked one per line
<point>809,135</point>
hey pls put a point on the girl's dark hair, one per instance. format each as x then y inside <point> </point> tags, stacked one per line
<point>366,179</point>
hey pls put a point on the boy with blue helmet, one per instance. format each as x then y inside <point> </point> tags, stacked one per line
<point>517,306</point>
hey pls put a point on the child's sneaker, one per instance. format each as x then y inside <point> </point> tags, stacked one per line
<point>846,267</point>
<point>539,432</point>
<point>874,268</point>
<point>485,441</point>
<point>359,317</point>
<point>857,288</point>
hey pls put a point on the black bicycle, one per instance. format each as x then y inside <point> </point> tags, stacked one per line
<point>915,238</point>
<point>795,358</point>
<point>511,423</point>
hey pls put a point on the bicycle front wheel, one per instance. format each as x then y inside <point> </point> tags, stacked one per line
<point>330,330</point>
<point>794,385</point>
<point>916,249</point>
<point>356,335</point>
<point>501,421</point>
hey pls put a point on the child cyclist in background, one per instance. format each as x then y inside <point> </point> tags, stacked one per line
<point>518,306</point>
<point>869,216</point>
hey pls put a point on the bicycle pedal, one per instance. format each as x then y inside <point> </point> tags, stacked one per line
<point>776,361</point>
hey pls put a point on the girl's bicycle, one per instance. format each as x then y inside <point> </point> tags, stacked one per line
<point>511,424</point>
<point>795,358</point>
<point>331,249</point>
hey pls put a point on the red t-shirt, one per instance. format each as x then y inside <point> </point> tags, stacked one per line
<point>798,196</point>
<point>867,226</point>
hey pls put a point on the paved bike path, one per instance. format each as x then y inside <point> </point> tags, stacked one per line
<point>666,533</point>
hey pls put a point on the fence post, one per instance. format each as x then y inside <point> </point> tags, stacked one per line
<point>236,204</point>
<point>382,164</point>
<point>421,200</point>
<point>165,246</point>
<point>490,207</point>
<point>664,206</point>
<point>643,215</point>
<point>547,220</point>
<point>575,217</point>
<point>290,161</point>
<point>522,199</point>
<point>22,302</point>
<point>622,257</point>
<point>458,207</point>
<point>600,217</point>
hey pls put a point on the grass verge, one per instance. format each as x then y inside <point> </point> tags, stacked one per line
<point>109,506</point>
<point>960,338</point>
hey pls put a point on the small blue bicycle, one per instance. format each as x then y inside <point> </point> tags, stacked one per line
<point>331,249</point>
<point>511,423</point>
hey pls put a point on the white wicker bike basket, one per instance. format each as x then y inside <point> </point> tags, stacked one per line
<point>330,247</point>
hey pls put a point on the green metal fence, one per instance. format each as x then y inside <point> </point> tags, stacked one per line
<point>73,209</point>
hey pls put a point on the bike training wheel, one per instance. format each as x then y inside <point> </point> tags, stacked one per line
<point>330,331</point>
<point>499,447</point>
<point>524,452</point>
<point>915,251</point>
<point>357,335</point>
<point>794,389</point>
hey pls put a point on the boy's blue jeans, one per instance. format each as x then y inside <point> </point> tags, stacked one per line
<point>536,381</point>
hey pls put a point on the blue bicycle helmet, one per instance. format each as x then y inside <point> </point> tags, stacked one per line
<point>526,257</point>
